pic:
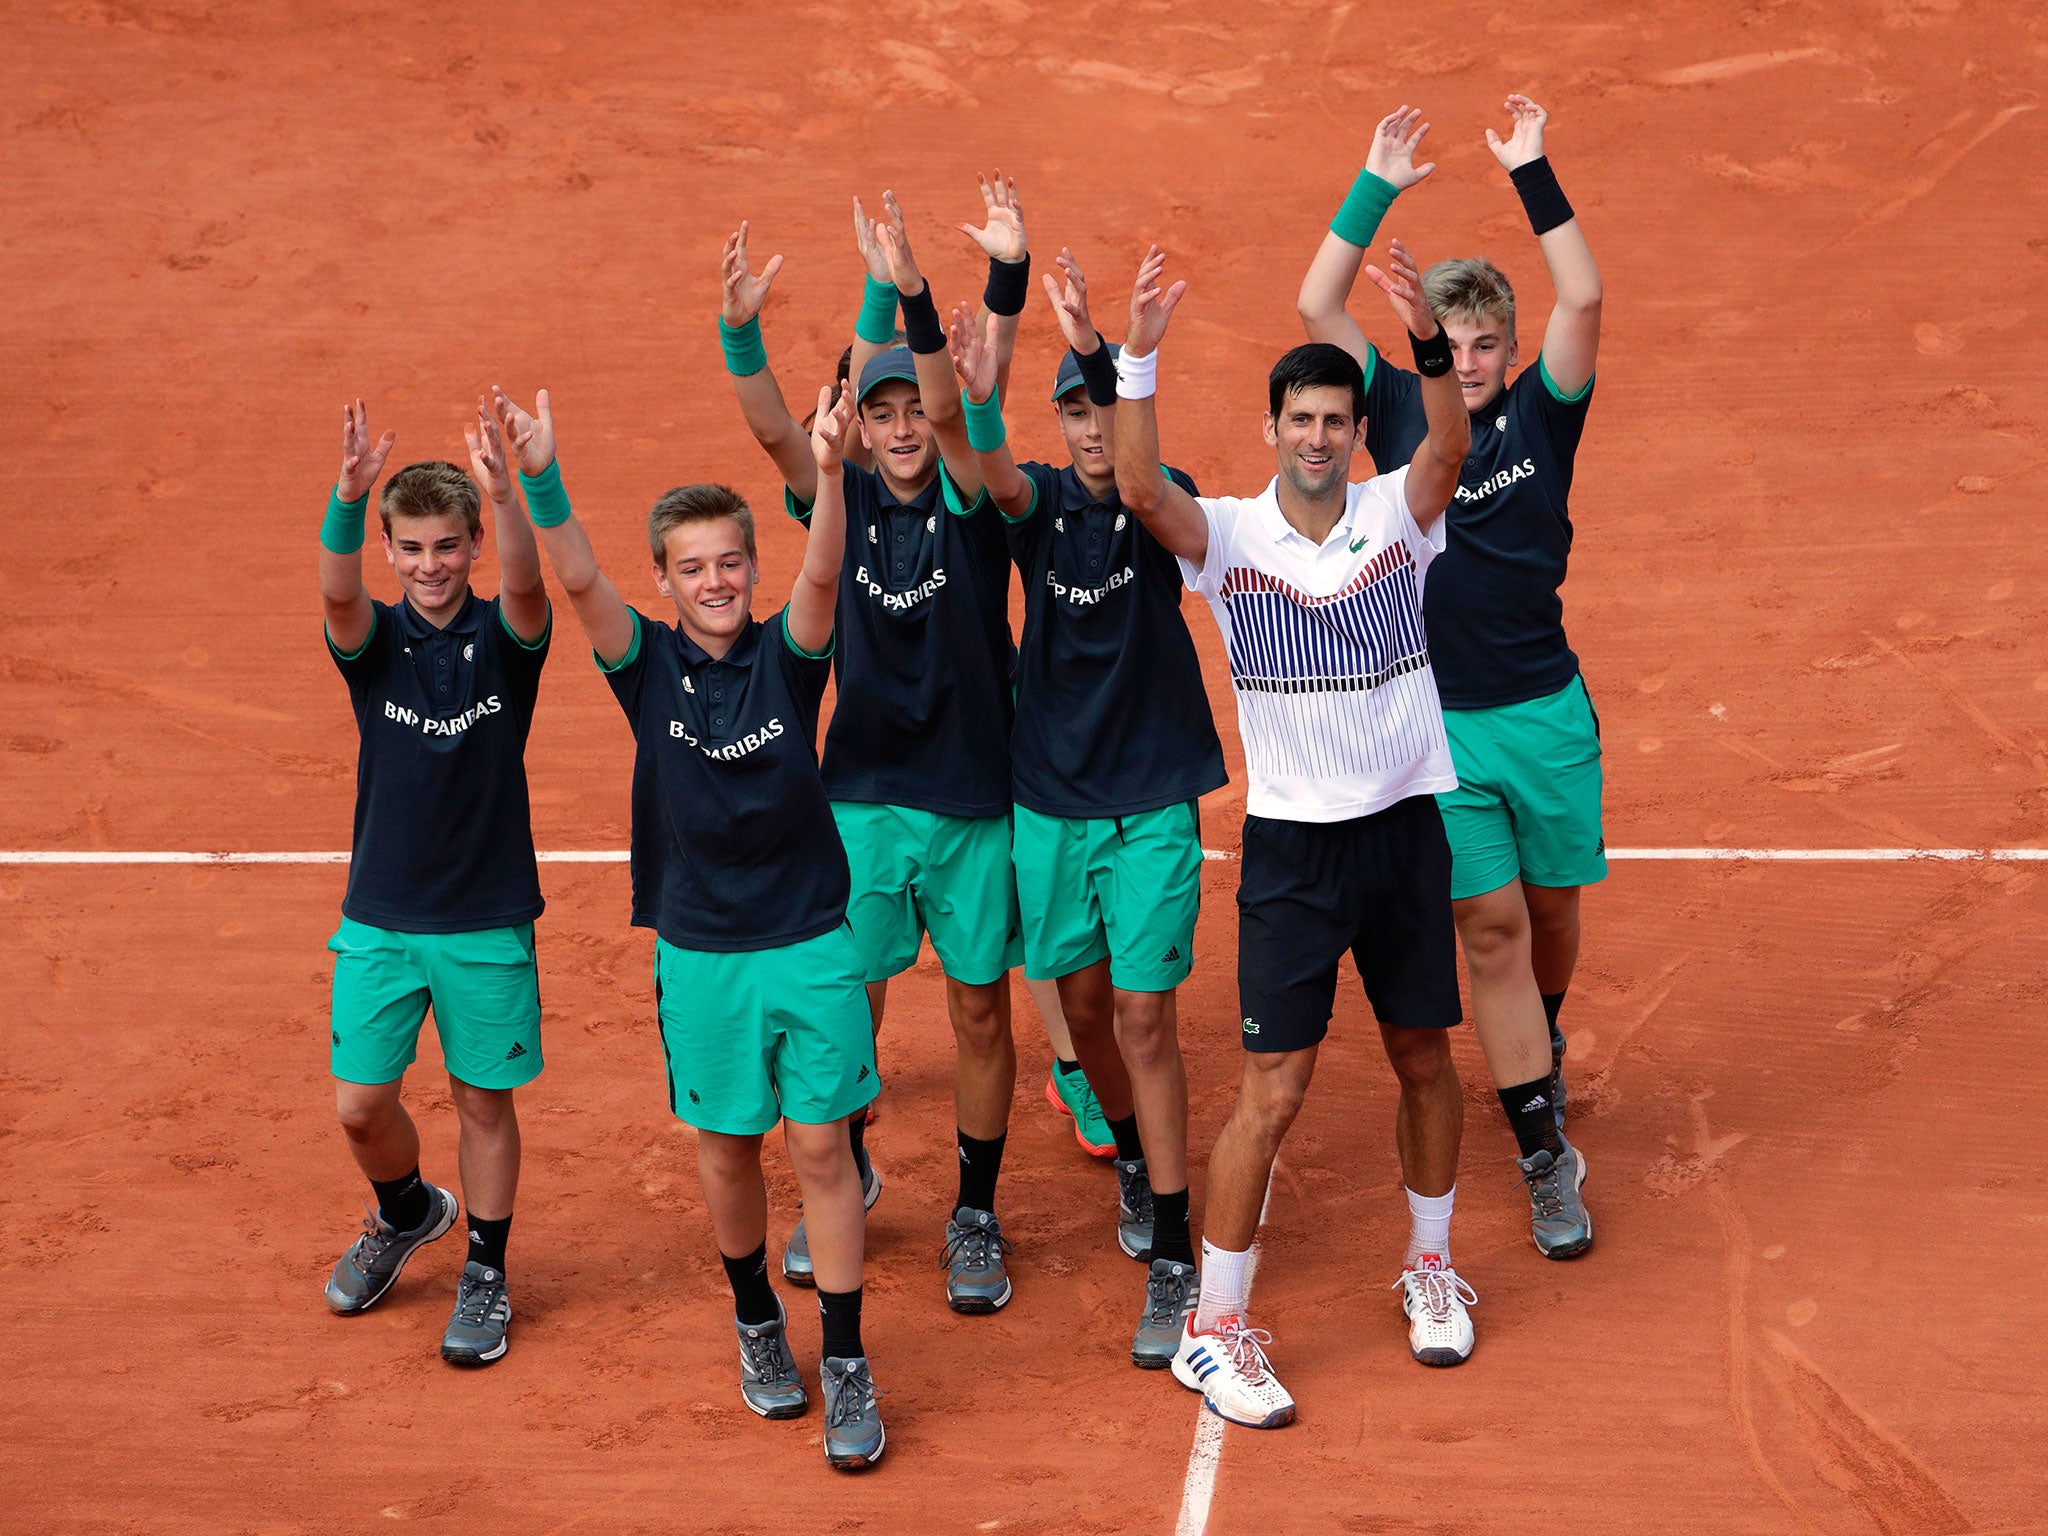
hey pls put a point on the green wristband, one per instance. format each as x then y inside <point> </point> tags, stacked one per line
<point>877,322</point>
<point>744,353</point>
<point>1359,219</point>
<point>985,433</point>
<point>546,502</point>
<point>342,531</point>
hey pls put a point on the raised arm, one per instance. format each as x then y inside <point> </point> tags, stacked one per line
<point>1571,341</point>
<point>938,391</point>
<point>522,596</point>
<point>814,600</point>
<point>1390,169</point>
<point>606,619</point>
<point>1174,517</point>
<point>875,331</point>
<point>746,362</point>
<point>975,350</point>
<point>1001,239</point>
<point>1433,472</point>
<point>342,598</point>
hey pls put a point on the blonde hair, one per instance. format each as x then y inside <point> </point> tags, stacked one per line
<point>1470,285</point>
<point>431,488</point>
<point>697,504</point>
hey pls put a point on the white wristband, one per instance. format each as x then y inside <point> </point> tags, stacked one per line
<point>1137,378</point>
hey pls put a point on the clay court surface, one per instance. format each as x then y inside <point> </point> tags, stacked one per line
<point>1808,588</point>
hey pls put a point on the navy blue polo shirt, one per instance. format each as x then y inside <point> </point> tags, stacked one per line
<point>1490,607</point>
<point>1112,716</point>
<point>734,846</point>
<point>443,832</point>
<point>924,654</point>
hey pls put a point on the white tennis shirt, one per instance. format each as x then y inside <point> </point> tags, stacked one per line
<point>1336,703</point>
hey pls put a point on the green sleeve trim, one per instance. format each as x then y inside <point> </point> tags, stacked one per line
<point>790,640</point>
<point>876,324</point>
<point>1030,506</point>
<point>745,353</point>
<point>1543,371</point>
<point>632,651</point>
<point>353,655</point>
<point>800,510</point>
<point>547,629</point>
<point>950,494</point>
<point>547,504</point>
<point>1372,363</point>
<point>1364,206</point>
<point>341,531</point>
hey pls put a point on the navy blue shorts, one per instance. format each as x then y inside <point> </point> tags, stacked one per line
<point>1378,886</point>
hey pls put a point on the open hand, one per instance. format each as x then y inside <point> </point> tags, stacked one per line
<point>1002,237</point>
<point>1525,139</point>
<point>974,353</point>
<point>829,427</point>
<point>487,455</point>
<point>1394,142</point>
<point>361,463</point>
<point>1402,284</point>
<point>869,247</point>
<point>744,292</point>
<point>1151,306</point>
<point>1070,303</point>
<point>532,437</point>
<point>894,243</point>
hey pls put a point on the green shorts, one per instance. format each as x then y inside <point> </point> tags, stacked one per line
<point>483,986</point>
<point>1527,805</point>
<point>763,1035</point>
<point>917,872</point>
<point>1128,887</point>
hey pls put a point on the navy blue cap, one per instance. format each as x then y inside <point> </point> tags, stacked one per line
<point>896,363</point>
<point>1070,371</point>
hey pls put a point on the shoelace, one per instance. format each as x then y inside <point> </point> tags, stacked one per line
<point>1136,1189</point>
<point>474,1300</point>
<point>1546,1191</point>
<point>1439,1287</point>
<point>1169,1299</point>
<point>767,1364</point>
<point>1242,1344</point>
<point>972,1244</point>
<point>376,1238</point>
<point>857,1397</point>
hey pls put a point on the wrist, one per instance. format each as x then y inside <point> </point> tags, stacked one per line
<point>1008,285</point>
<point>985,431</point>
<point>745,353</point>
<point>342,529</point>
<point>921,327</point>
<point>1358,220</point>
<point>546,502</point>
<point>1542,199</point>
<point>876,324</point>
<point>1137,377</point>
<point>1432,353</point>
<point>1098,373</point>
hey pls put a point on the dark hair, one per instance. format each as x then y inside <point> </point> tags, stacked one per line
<point>1313,365</point>
<point>697,504</point>
<point>431,488</point>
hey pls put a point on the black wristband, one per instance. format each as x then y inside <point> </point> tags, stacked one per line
<point>1542,199</point>
<point>921,328</point>
<point>1098,373</point>
<point>1432,357</point>
<point>1009,283</point>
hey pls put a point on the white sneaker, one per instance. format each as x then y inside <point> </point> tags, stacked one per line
<point>1227,1366</point>
<point>1439,1327</point>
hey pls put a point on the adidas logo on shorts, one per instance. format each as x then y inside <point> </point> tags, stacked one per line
<point>516,1052</point>
<point>1172,952</point>
<point>861,1078</point>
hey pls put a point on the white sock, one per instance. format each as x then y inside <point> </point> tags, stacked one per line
<point>1429,1226</point>
<point>1222,1285</point>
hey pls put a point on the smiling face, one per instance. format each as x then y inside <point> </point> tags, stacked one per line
<point>432,556</point>
<point>1314,436</point>
<point>708,574</point>
<point>1482,352</point>
<point>892,425</point>
<point>1081,426</point>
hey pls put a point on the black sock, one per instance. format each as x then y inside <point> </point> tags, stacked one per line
<point>841,1313</point>
<point>1552,1001</point>
<point>487,1242</point>
<point>753,1299</point>
<point>1064,1067</point>
<point>857,1138</point>
<point>1170,1236</point>
<point>980,1162</point>
<point>1533,1117</point>
<point>403,1203</point>
<point>1128,1147</point>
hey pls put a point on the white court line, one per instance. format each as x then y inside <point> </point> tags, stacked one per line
<point>619,856</point>
<point>1207,1453</point>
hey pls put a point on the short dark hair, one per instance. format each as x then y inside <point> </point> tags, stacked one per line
<point>431,488</point>
<point>697,504</point>
<point>1314,365</point>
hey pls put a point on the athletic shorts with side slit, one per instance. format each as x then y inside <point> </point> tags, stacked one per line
<point>1378,886</point>
<point>483,986</point>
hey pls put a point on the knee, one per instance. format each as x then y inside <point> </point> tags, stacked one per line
<point>1496,937</point>
<point>1421,1058</point>
<point>363,1112</point>
<point>978,1021</point>
<point>819,1154</point>
<point>1271,1098</point>
<point>487,1111</point>
<point>1145,1028</point>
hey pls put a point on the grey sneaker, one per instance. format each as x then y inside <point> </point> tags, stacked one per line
<point>796,1253</point>
<point>1557,1073</point>
<point>372,1263</point>
<point>1171,1291</point>
<point>1558,1219</point>
<point>476,1333</point>
<point>768,1378</point>
<point>976,1280</point>
<point>1134,1210</point>
<point>853,1419</point>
